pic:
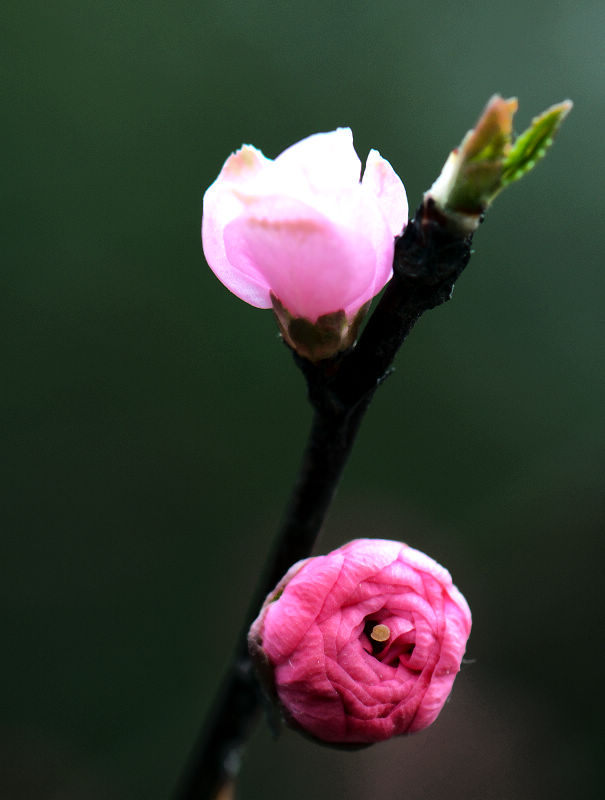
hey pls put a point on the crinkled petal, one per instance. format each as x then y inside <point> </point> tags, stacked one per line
<point>332,679</point>
<point>301,604</point>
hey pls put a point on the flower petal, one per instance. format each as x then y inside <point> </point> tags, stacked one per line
<point>304,229</point>
<point>331,680</point>
<point>323,160</point>
<point>382,181</point>
<point>313,265</point>
<point>222,204</point>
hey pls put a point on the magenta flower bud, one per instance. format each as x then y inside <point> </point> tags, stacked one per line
<point>362,644</point>
<point>304,235</point>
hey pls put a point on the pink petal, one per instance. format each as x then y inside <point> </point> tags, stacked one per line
<point>324,161</point>
<point>222,204</point>
<point>328,680</point>
<point>313,265</point>
<point>382,181</point>
<point>288,620</point>
<point>303,227</point>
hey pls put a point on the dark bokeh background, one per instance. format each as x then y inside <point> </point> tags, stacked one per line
<point>153,423</point>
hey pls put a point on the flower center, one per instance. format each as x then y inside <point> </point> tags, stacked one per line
<point>392,644</point>
<point>380,633</point>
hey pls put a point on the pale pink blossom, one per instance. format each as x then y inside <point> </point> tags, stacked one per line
<point>362,644</point>
<point>303,228</point>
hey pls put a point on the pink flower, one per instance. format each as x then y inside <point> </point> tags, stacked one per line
<point>302,233</point>
<point>362,644</point>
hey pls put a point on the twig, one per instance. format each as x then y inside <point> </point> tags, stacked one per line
<point>429,257</point>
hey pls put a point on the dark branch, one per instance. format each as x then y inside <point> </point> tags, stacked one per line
<point>429,257</point>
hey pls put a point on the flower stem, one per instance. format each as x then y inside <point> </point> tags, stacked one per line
<point>429,257</point>
<point>215,760</point>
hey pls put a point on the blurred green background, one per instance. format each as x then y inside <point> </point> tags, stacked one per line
<point>153,423</point>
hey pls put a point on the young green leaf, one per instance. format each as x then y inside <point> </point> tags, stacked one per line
<point>488,159</point>
<point>532,145</point>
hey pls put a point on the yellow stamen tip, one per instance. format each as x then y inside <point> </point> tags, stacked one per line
<point>380,633</point>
